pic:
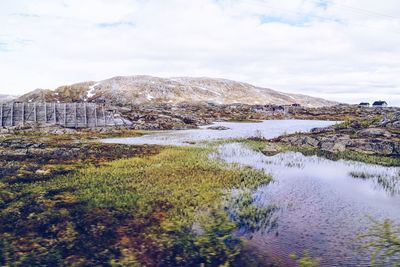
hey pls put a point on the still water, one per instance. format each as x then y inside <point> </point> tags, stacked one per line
<point>321,205</point>
<point>266,129</point>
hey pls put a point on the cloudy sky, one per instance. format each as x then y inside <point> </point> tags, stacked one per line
<point>345,50</point>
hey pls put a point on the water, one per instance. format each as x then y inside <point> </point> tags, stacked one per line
<point>321,206</point>
<point>266,129</point>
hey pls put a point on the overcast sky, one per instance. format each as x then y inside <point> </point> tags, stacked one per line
<point>345,50</point>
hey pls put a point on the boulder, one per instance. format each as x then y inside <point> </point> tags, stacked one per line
<point>374,132</point>
<point>308,140</point>
<point>271,149</point>
<point>374,146</point>
<point>340,145</point>
<point>322,130</point>
<point>219,128</point>
<point>327,146</point>
<point>396,124</point>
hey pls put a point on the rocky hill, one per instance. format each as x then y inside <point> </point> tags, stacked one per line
<point>148,89</point>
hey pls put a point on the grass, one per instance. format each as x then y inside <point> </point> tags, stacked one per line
<point>175,175</point>
<point>360,122</point>
<point>81,134</point>
<point>167,208</point>
<point>361,175</point>
<point>382,240</point>
<point>245,121</point>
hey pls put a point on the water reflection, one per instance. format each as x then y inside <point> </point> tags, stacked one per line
<point>264,129</point>
<point>322,207</point>
<point>390,183</point>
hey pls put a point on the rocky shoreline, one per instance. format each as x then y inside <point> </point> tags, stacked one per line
<point>376,137</point>
<point>27,159</point>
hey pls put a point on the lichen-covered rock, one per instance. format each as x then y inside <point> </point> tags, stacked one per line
<point>271,149</point>
<point>374,132</point>
<point>396,124</point>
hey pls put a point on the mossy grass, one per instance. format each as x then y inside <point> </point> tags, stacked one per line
<point>178,175</point>
<point>165,208</point>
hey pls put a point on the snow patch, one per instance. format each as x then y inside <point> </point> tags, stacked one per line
<point>149,97</point>
<point>90,93</point>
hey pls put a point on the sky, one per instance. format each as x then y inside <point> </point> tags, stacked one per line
<point>343,50</point>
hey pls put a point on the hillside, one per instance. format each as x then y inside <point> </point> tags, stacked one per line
<point>148,89</point>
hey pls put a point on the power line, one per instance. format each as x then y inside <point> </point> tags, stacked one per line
<point>307,14</point>
<point>365,11</point>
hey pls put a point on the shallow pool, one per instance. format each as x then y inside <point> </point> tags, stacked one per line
<point>266,129</point>
<point>321,205</point>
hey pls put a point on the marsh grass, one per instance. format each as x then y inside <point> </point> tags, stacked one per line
<point>383,241</point>
<point>361,175</point>
<point>168,208</point>
<point>184,177</point>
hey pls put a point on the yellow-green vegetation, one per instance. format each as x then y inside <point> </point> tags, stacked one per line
<point>383,239</point>
<point>81,134</point>
<point>306,260</point>
<point>360,122</point>
<point>164,209</point>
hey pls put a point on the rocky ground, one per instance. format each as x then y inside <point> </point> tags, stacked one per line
<point>378,137</point>
<point>186,116</point>
<point>189,115</point>
<point>340,112</point>
<point>27,159</point>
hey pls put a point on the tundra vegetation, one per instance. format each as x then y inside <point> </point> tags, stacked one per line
<point>168,206</point>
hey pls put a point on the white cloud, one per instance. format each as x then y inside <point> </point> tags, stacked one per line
<point>343,50</point>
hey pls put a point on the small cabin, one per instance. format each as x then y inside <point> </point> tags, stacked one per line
<point>258,108</point>
<point>364,104</point>
<point>380,104</point>
<point>278,109</point>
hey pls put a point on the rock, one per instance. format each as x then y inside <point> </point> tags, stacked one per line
<point>374,132</point>
<point>396,116</point>
<point>396,148</point>
<point>219,128</point>
<point>373,146</point>
<point>339,147</point>
<point>42,172</point>
<point>322,130</point>
<point>327,146</point>
<point>271,149</point>
<point>308,140</point>
<point>396,124</point>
